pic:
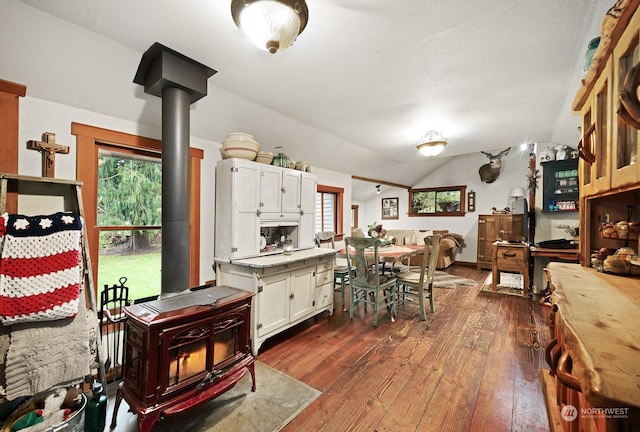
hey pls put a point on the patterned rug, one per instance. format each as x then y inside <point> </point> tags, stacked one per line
<point>510,284</point>
<point>443,279</point>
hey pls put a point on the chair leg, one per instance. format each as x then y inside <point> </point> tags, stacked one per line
<point>423,314</point>
<point>343,283</point>
<point>431,298</point>
<point>376,306</point>
<point>353,301</point>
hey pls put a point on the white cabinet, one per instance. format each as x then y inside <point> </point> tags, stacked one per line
<point>288,290</point>
<point>237,224</point>
<point>307,229</point>
<point>279,193</point>
<point>251,195</point>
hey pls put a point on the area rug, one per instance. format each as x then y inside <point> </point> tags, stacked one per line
<point>277,400</point>
<point>443,279</point>
<point>510,284</point>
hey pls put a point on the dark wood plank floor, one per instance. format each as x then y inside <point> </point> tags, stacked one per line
<point>472,366</point>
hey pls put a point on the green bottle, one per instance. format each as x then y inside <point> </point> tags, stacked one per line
<point>27,420</point>
<point>95,415</point>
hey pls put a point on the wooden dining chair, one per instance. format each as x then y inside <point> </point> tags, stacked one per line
<point>340,268</point>
<point>367,283</point>
<point>416,282</point>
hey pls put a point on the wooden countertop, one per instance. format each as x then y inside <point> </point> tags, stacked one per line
<point>600,323</point>
<point>280,259</point>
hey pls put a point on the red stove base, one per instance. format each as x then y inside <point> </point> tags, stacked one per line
<point>183,351</point>
<point>147,416</point>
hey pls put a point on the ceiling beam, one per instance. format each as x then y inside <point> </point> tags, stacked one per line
<point>381,182</point>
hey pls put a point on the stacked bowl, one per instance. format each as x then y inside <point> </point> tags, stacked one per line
<point>239,145</point>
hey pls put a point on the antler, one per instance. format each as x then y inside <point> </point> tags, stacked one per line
<point>498,156</point>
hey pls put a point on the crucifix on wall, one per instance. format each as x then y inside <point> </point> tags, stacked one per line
<point>49,148</point>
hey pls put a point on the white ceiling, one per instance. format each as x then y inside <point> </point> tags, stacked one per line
<point>356,91</point>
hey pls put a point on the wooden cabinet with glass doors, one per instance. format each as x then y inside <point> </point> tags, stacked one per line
<point>625,170</point>
<point>608,169</point>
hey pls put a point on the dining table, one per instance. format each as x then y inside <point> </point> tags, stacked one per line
<point>388,253</point>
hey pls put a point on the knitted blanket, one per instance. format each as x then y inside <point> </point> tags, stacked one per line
<point>42,355</point>
<point>40,267</point>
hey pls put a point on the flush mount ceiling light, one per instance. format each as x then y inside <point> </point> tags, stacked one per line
<point>431,143</point>
<point>271,25</point>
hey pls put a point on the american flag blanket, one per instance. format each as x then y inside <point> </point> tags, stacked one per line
<point>40,267</point>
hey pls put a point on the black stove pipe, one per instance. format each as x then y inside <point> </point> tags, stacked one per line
<point>179,81</point>
<point>175,190</point>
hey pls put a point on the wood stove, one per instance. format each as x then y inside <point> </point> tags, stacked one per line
<point>184,350</point>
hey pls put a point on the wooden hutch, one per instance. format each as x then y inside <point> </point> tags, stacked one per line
<point>593,376</point>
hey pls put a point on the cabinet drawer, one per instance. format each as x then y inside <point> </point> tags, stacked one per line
<point>324,278</point>
<point>511,258</point>
<point>324,295</point>
<point>324,266</point>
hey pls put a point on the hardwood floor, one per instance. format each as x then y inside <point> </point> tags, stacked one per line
<point>472,366</point>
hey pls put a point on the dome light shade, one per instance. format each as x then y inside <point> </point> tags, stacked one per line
<point>432,143</point>
<point>271,25</point>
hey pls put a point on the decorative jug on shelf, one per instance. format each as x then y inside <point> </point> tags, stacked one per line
<point>561,152</point>
<point>547,155</point>
<point>281,160</point>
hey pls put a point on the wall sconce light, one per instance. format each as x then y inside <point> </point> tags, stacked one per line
<point>271,25</point>
<point>378,189</point>
<point>431,143</point>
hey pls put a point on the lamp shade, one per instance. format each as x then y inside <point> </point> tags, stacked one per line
<point>516,192</point>
<point>271,25</point>
<point>431,143</point>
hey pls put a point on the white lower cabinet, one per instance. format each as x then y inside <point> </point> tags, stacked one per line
<point>285,294</point>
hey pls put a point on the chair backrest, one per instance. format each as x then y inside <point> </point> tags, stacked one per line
<point>362,264</point>
<point>323,236</point>
<point>430,258</point>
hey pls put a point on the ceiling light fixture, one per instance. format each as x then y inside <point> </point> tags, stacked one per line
<point>432,143</point>
<point>271,25</point>
<point>378,189</point>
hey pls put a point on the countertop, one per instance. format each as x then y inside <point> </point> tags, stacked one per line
<point>276,260</point>
<point>599,321</point>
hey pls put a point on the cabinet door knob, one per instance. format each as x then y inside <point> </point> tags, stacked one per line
<point>283,190</point>
<point>292,296</point>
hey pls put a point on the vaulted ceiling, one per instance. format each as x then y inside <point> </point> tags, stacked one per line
<point>354,93</point>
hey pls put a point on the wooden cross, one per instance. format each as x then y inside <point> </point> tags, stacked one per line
<point>49,148</point>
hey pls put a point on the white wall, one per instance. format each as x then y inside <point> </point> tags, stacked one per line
<point>459,171</point>
<point>38,116</point>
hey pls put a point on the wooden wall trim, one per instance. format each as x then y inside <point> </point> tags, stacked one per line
<point>88,139</point>
<point>13,88</point>
<point>10,93</point>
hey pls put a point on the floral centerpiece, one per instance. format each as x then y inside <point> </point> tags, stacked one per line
<point>375,230</point>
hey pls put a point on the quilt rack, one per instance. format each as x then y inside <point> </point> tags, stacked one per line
<point>30,195</point>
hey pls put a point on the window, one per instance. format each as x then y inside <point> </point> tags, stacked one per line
<point>443,201</point>
<point>325,211</point>
<point>90,141</point>
<point>329,209</point>
<point>354,216</point>
<point>129,220</point>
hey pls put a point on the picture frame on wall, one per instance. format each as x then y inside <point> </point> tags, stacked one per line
<point>389,208</point>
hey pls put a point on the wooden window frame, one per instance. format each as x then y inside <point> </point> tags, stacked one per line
<point>339,193</point>
<point>89,140</point>
<point>460,189</point>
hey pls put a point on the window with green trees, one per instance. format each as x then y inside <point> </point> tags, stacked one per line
<point>129,216</point>
<point>441,201</point>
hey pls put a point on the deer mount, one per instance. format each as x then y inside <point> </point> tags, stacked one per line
<point>489,172</point>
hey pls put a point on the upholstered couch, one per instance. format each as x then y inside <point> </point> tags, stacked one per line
<point>450,241</point>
